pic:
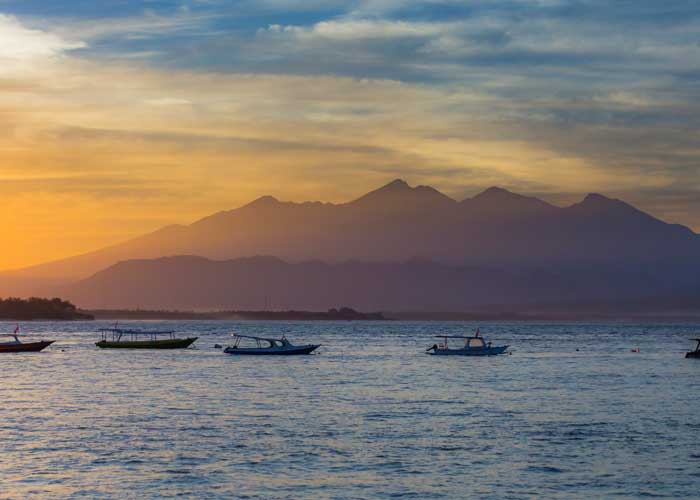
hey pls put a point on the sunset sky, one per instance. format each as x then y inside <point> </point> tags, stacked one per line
<point>120,117</point>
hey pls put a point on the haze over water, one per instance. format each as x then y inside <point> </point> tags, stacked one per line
<point>370,416</point>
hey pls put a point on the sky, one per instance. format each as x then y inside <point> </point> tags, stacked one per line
<point>120,117</point>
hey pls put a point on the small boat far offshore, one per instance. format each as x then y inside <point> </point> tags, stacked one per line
<point>268,347</point>
<point>117,338</point>
<point>473,346</point>
<point>696,352</point>
<point>17,345</point>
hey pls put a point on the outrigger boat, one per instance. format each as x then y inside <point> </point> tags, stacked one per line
<point>696,352</point>
<point>268,347</point>
<point>117,338</point>
<point>473,346</point>
<point>17,345</point>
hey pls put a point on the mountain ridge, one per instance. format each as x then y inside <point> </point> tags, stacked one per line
<point>397,222</point>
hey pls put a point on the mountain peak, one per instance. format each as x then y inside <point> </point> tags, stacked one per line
<point>266,200</point>
<point>595,202</point>
<point>501,201</point>
<point>263,203</point>
<point>399,195</point>
<point>596,198</point>
<point>597,205</point>
<point>397,184</point>
<point>619,214</point>
<point>497,192</point>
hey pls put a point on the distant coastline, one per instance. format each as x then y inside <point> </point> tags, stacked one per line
<point>342,314</point>
<point>650,310</point>
<point>671,317</point>
<point>683,309</point>
<point>514,316</point>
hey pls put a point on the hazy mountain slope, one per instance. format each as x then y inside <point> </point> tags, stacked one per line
<point>170,240</point>
<point>252,283</point>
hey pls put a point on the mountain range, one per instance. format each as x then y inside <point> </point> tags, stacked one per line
<point>397,247</point>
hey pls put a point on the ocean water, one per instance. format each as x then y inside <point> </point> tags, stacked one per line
<point>572,413</point>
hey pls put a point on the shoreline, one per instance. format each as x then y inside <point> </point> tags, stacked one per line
<point>311,316</point>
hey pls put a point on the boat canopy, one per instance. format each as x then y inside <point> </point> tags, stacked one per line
<point>118,333</point>
<point>270,341</point>
<point>137,332</point>
<point>470,341</point>
<point>251,337</point>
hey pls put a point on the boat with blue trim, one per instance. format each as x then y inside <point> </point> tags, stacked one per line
<point>474,345</point>
<point>264,346</point>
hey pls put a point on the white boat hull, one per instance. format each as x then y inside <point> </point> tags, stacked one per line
<point>482,351</point>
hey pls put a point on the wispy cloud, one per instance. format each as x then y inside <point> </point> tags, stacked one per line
<point>148,25</point>
<point>168,101</point>
<point>20,45</point>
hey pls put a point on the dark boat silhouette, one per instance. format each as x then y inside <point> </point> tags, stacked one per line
<point>17,345</point>
<point>117,338</point>
<point>696,352</point>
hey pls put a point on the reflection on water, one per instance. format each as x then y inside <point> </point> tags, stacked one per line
<point>370,416</point>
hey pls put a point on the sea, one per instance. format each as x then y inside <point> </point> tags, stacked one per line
<point>578,410</point>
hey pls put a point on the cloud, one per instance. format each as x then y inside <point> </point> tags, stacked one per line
<point>495,42</point>
<point>147,25</point>
<point>101,186</point>
<point>350,31</point>
<point>168,101</point>
<point>21,45</point>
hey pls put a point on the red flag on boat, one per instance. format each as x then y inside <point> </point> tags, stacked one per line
<point>16,329</point>
<point>478,330</point>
